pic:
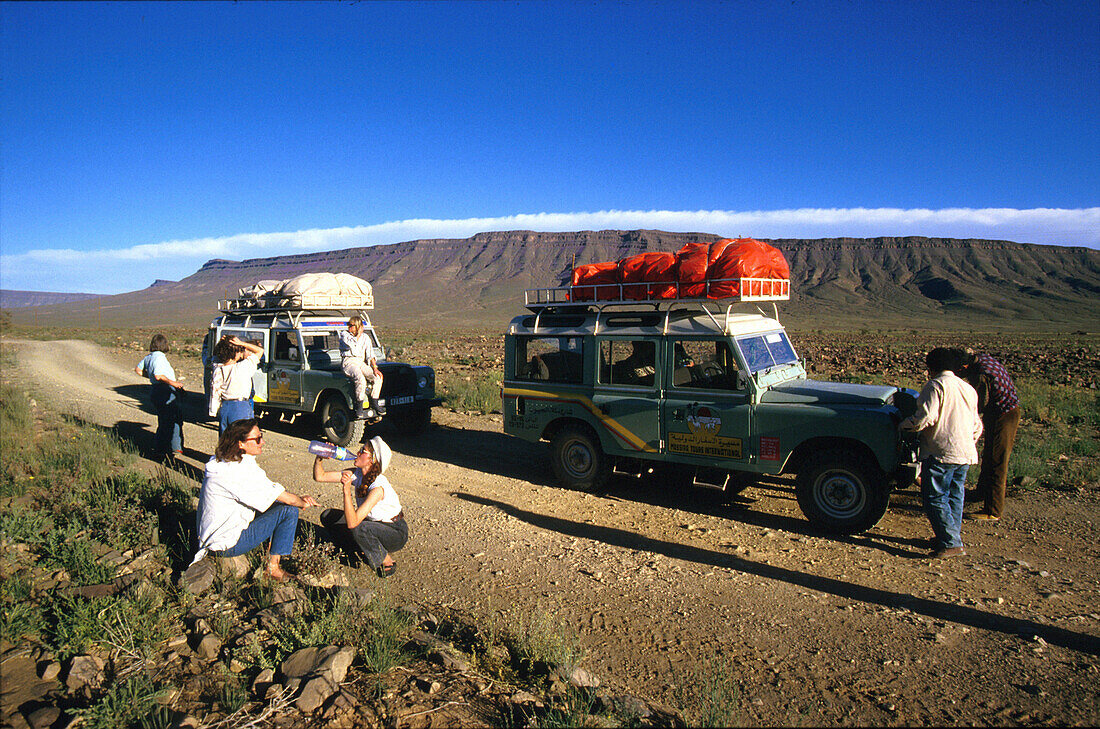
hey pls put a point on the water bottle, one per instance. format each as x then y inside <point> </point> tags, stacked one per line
<point>328,450</point>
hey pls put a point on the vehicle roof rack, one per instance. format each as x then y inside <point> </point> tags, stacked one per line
<point>598,298</point>
<point>314,303</point>
<point>294,307</point>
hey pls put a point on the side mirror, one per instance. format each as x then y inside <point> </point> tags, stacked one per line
<point>742,380</point>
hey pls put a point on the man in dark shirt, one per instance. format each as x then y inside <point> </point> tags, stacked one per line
<point>999,406</point>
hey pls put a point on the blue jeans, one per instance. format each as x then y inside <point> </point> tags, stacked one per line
<point>234,410</point>
<point>942,487</point>
<point>278,523</point>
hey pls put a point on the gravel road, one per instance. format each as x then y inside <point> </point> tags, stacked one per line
<point>656,585</point>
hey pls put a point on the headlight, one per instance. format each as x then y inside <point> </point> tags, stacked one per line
<point>422,382</point>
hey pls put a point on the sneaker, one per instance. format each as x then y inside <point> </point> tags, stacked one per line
<point>360,413</point>
<point>380,406</point>
<point>948,552</point>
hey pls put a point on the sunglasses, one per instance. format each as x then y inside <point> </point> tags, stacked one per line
<point>258,438</point>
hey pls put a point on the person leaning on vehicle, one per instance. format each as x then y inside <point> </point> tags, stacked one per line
<point>240,508</point>
<point>999,406</point>
<point>947,420</point>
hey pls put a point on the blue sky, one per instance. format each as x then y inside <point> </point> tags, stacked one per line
<point>139,140</point>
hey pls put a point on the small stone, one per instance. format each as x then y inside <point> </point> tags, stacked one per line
<point>49,670</point>
<point>84,671</point>
<point>44,717</point>
<point>209,647</point>
<point>198,578</point>
<point>315,691</point>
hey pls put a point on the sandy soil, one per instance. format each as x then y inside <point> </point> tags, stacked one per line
<point>656,585</point>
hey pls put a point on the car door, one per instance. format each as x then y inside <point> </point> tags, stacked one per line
<point>707,407</point>
<point>284,375</point>
<point>626,396</point>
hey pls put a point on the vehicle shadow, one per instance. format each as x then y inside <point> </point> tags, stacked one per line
<point>654,491</point>
<point>489,452</point>
<point>961,614</point>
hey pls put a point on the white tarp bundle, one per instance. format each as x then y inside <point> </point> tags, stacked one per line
<point>308,285</point>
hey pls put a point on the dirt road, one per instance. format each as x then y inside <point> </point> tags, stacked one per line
<point>816,630</point>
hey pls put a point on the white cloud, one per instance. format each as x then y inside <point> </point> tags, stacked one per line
<point>125,269</point>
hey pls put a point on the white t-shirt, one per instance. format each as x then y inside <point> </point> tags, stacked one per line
<point>232,381</point>
<point>389,506</point>
<point>232,494</point>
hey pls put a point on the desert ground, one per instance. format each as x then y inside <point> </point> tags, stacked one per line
<point>659,587</point>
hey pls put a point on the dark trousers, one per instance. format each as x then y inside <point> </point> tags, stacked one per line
<point>1000,435</point>
<point>169,434</point>
<point>372,540</point>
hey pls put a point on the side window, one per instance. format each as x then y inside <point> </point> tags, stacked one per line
<point>704,363</point>
<point>550,359</point>
<point>286,347</point>
<point>322,349</point>
<point>245,335</point>
<point>626,362</point>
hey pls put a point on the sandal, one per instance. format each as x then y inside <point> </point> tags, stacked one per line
<point>386,570</point>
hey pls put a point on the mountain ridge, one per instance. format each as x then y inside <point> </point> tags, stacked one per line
<point>835,282</point>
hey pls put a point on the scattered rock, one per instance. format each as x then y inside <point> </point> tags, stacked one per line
<point>198,578</point>
<point>84,671</point>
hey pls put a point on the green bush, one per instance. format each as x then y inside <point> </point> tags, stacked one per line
<point>129,702</point>
<point>20,616</point>
<point>474,394</point>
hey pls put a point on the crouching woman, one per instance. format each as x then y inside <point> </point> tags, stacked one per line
<point>371,521</point>
<point>240,508</point>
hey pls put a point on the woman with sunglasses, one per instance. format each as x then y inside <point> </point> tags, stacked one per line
<point>240,508</point>
<point>371,521</point>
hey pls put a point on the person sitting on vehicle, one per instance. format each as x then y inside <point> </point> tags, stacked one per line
<point>240,508</point>
<point>231,384</point>
<point>361,367</point>
<point>371,522</point>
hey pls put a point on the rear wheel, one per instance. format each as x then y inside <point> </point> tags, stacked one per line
<point>577,459</point>
<point>338,423</point>
<point>839,491</point>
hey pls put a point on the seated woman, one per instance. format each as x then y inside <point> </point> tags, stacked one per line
<point>371,522</point>
<point>240,508</point>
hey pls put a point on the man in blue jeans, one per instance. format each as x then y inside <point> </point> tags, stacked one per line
<point>949,426</point>
<point>240,508</point>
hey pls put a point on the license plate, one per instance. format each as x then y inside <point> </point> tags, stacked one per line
<point>400,400</point>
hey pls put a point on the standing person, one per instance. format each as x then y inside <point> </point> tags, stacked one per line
<point>167,390</point>
<point>240,508</point>
<point>361,367</point>
<point>371,521</point>
<point>947,420</point>
<point>231,384</point>
<point>999,406</point>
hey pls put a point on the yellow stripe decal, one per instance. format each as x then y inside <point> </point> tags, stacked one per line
<point>608,422</point>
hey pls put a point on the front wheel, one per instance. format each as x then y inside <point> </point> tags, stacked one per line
<point>338,423</point>
<point>841,492</point>
<point>577,459</point>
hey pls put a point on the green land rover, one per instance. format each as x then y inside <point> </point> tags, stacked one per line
<point>300,372</point>
<point>711,392</point>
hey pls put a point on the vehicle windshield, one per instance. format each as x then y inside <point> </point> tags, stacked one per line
<point>764,351</point>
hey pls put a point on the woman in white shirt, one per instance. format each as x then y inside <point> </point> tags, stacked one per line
<point>231,385</point>
<point>240,508</point>
<point>371,521</point>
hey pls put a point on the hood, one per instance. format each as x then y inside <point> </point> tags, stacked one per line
<point>817,392</point>
<point>381,451</point>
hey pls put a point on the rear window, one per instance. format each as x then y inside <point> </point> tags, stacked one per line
<point>762,351</point>
<point>550,359</point>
